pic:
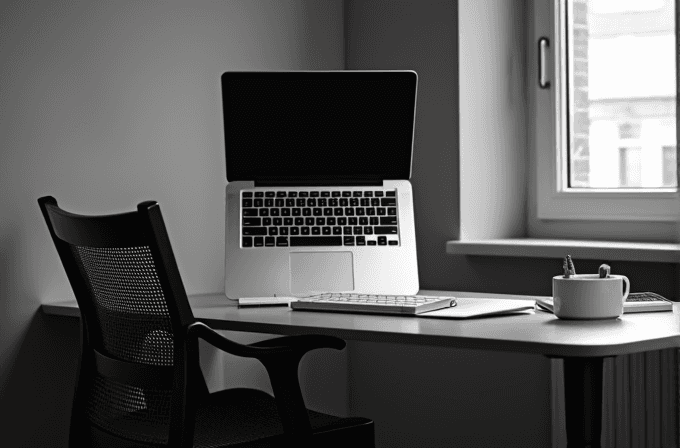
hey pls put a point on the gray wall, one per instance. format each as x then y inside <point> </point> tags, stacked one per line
<point>104,105</point>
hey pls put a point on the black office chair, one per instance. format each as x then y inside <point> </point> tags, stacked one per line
<point>140,382</point>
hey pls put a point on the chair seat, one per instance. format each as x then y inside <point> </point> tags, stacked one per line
<point>238,416</point>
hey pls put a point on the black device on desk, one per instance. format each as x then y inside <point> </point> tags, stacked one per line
<point>637,302</point>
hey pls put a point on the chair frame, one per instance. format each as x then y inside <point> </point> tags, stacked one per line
<point>145,227</point>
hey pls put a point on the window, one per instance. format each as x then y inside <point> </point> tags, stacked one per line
<point>605,136</point>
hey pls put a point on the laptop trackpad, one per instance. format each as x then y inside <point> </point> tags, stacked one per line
<point>321,272</point>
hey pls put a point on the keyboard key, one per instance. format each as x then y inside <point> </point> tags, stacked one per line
<point>368,230</point>
<point>283,231</point>
<point>370,211</point>
<point>259,194</point>
<point>254,230</point>
<point>326,230</point>
<point>313,194</point>
<point>290,202</point>
<point>325,194</point>
<point>309,221</point>
<point>382,241</point>
<point>386,202</point>
<point>378,194</point>
<point>361,241</point>
<point>268,202</point>
<point>363,221</point>
<point>299,221</point>
<point>390,193</point>
<point>264,212</point>
<point>247,203</point>
<point>311,202</point>
<point>349,240</point>
<point>354,202</point>
<point>269,241</point>
<point>258,203</point>
<point>357,194</point>
<point>294,230</point>
<point>375,202</point>
<point>274,211</point>
<point>335,194</point>
<point>359,211</point>
<point>368,194</point>
<point>278,221</point>
<point>328,211</point>
<point>316,211</point>
<point>285,212</point>
<point>337,211</point>
<point>296,211</point>
<point>330,221</point>
<point>393,242</point>
<point>333,202</point>
<point>385,230</point>
<point>381,211</point>
<point>392,211</point>
<point>337,230</point>
<point>247,241</point>
<point>303,194</point>
<point>316,230</point>
<point>300,202</point>
<point>346,194</point>
<point>349,211</point>
<point>280,194</point>
<point>364,202</point>
<point>266,221</point>
<point>342,221</point>
<point>388,220</point>
<point>269,194</point>
<point>292,194</point>
<point>316,241</point>
<point>347,230</point>
<point>320,221</point>
<point>358,230</point>
<point>371,242</point>
<point>287,221</point>
<point>344,202</point>
<point>352,221</point>
<point>322,202</point>
<point>306,212</point>
<point>273,231</point>
<point>255,222</point>
<point>249,212</point>
<point>304,230</point>
<point>258,240</point>
<point>282,241</point>
<point>374,221</point>
<point>278,202</point>
<point>247,194</point>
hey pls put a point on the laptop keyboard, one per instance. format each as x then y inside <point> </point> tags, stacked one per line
<point>284,218</point>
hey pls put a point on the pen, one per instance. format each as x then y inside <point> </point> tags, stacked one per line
<point>568,267</point>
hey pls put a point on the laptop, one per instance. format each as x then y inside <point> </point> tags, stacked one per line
<point>318,197</point>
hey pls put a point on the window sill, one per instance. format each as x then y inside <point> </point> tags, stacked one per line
<point>553,248</point>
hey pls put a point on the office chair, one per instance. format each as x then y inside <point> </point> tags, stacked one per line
<point>139,381</point>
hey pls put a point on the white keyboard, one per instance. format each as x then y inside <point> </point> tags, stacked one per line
<point>369,303</point>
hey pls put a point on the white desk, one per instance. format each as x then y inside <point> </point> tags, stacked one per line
<point>582,344</point>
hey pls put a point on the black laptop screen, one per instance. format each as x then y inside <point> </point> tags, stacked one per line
<point>319,125</point>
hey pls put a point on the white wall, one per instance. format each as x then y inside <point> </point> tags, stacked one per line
<point>104,105</point>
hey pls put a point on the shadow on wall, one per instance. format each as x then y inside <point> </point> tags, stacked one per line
<point>39,379</point>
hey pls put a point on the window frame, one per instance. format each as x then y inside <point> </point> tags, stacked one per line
<point>554,200</point>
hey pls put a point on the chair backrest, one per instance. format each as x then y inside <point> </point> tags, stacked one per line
<point>139,376</point>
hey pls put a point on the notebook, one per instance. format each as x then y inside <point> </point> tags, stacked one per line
<point>467,308</point>
<point>318,197</point>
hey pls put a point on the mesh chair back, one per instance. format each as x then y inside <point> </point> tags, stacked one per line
<point>133,378</point>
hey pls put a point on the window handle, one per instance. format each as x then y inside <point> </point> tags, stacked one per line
<point>543,45</point>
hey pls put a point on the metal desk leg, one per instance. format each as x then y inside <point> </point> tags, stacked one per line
<point>583,401</point>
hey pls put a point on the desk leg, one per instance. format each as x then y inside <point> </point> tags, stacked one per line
<point>583,401</point>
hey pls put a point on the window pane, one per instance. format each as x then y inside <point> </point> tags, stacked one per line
<point>621,90</point>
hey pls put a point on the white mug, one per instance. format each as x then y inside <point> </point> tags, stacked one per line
<point>587,296</point>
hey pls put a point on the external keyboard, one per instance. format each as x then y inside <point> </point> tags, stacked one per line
<point>369,303</point>
<point>284,218</point>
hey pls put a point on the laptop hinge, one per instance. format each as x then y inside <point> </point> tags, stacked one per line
<point>311,182</point>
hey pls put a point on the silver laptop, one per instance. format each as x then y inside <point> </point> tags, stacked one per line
<point>318,197</point>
